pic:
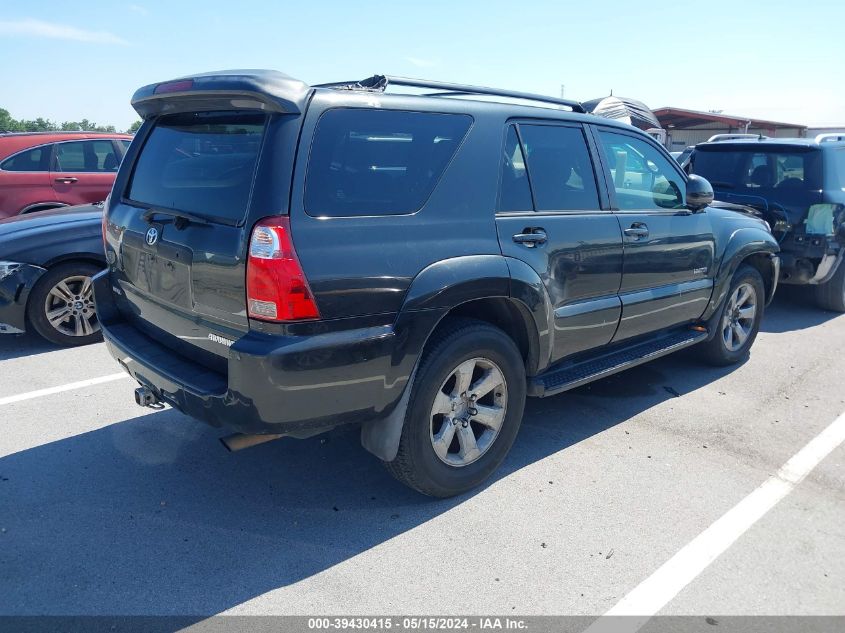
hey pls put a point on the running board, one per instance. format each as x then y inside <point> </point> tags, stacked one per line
<point>574,375</point>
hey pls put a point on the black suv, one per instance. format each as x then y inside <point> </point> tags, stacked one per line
<point>798,187</point>
<point>284,259</point>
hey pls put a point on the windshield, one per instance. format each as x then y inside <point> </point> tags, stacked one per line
<point>757,171</point>
<point>203,163</point>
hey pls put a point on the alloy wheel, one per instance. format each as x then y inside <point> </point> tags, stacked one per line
<point>738,320</point>
<point>69,307</point>
<point>468,412</point>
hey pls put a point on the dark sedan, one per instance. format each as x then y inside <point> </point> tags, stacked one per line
<point>47,260</point>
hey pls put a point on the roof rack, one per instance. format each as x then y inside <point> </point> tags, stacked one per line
<point>716,138</point>
<point>378,83</point>
<point>830,137</point>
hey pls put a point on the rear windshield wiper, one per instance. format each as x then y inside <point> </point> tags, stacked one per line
<point>182,218</point>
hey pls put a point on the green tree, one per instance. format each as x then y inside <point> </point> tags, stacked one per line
<point>134,127</point>
<point>7,123</point>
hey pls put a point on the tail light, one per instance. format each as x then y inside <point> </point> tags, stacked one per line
<point>174,86</point>
<point>105,222</point>
<point>276,287</point>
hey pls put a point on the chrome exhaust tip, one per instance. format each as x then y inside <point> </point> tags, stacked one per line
<point>240,441</point>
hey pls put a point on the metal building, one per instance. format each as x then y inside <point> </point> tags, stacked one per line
<point>689,127</point>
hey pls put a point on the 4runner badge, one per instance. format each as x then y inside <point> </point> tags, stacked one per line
<point>219,339</point>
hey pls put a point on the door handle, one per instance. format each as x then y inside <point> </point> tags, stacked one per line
<point>531,237</point>
<point>638,231</point>
<point>67,180</point>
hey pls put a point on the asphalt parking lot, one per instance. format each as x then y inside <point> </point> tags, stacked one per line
<point>107,508</point>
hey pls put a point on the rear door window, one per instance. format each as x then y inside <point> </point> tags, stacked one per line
<point>514,191</point>
<point>203,163</point>
<point>379,162</point>
<point>560,168</point>
<point>86,156</point>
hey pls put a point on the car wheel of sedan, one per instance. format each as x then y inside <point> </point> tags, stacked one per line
<point>61,305</point>
<point>464,412</point>
<point>740,318</point>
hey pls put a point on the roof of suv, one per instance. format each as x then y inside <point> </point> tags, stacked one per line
<point>275,91</point>
<point>773,142</point>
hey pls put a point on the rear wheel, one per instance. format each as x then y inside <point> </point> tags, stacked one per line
<point>465,410</point>
<point>740,319</point>
<point>61,305</point>
<point>831,295</point>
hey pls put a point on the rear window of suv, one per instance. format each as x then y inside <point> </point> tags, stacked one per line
<point>203,163</point>
<point>757,170</point>
<point>378,162</point>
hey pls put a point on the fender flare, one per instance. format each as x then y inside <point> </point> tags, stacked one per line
<point>46,204</point>
<point>528,289</point>
<point>436,290</point>
<point>742,244</point>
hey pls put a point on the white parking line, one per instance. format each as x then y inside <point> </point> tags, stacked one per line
<point>68,387</point>
<point>651,595</point>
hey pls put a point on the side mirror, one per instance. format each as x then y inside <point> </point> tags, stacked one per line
<point>699,193</point>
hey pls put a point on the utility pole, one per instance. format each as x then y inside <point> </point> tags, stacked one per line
<point>562,90</point>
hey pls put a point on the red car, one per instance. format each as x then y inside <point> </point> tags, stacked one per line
<point>44,170</point>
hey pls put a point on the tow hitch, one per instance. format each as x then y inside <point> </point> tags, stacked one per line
<point>146,397</point>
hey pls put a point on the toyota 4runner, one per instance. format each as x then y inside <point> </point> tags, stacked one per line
<point>286,258</point>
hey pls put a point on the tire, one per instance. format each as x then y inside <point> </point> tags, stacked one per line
<point>831,295</point>
<point>64,294</point>
<point>454,467</point>
<point>727,346</point>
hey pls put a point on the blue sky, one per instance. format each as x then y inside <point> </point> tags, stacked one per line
<point>771,59</point>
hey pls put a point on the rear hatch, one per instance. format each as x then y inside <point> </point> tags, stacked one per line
<point>181,213</point>
<point>781,180</point>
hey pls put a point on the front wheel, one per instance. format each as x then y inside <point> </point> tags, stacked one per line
<point>61,305</point>
<point>740,319</point>
<point>465,409</point>
<point>831,295</point>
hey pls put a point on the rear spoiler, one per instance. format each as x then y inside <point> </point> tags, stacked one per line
<point>266,90</point>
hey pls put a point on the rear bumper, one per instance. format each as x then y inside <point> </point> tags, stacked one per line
<point>14,293</point>
<point>810,259</point>
<point>274,384</point>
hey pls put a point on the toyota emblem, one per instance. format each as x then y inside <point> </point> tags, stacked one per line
<point>152,236</point>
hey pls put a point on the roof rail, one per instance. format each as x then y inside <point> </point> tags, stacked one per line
<point>378,83</point>
<point>734,137</point>
<point>830,137</point>
<point>47,132</point>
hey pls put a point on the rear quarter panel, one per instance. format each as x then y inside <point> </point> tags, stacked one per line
<point>20,189</point>
<point>365,265</point>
